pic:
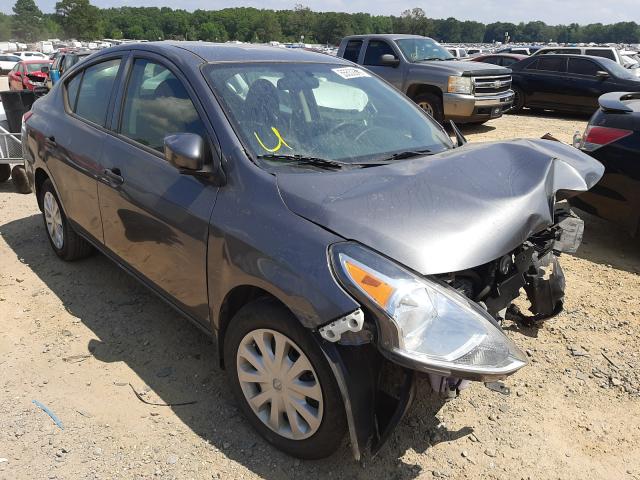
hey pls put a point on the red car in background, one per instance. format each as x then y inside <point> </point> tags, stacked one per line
<point>19,75</point>
<point>502,59</point>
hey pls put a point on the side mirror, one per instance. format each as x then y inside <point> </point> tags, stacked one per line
<point>44,69</point>
<point>389,60</point>
<point>602,75</point>
<point>184,151</point>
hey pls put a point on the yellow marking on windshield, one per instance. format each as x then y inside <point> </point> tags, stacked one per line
<point>281,141</point>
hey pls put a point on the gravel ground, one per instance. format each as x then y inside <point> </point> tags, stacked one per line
<point>78,337</point>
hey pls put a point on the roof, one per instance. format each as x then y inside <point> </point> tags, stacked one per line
<point>389,36</point>
<point>230,52</point>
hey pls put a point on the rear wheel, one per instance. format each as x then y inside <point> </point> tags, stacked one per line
<point>67,244</point>
<point>282,381</point>
<point>431,104</point>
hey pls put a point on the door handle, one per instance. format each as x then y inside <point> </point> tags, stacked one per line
<point>113,176</point>
<point>51,140</point>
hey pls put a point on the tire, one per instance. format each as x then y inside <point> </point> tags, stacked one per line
<point>518,100</point>
<point>431,104</point>
<point>20,180</point>
<point>67,244</point>
<point>5,172</point>
<point>267,320</point>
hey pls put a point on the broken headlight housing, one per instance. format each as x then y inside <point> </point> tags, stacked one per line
<point>423,323</point>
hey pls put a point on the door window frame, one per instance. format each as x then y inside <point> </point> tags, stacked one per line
<point>118,107</point>
<point>122,56</point>
<point>363,52</point>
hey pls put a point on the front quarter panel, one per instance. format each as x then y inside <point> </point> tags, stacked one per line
<point>256,241</point>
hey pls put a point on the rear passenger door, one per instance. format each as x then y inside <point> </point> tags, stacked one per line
<point>74,141</point>
<point>156,219</point>
<point>372,55</point>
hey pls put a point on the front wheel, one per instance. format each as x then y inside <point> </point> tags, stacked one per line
<point>431,104</point>
<point>282,381</point>
<point>518,100</point>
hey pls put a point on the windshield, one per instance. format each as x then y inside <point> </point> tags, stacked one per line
<point>422,49</point>
<point>35,67</point>
<point>325,111</point>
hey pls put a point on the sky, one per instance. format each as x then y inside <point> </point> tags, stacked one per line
<point>552,12</point>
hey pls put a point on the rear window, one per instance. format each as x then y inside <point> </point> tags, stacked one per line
<point>352,50</point>
<point>35,67</point>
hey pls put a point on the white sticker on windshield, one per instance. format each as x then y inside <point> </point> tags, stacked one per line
<point>351,72</point>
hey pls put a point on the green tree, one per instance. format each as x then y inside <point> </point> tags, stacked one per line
<point>79,19</point>
<point>27,20</point>
<point>5,27</point>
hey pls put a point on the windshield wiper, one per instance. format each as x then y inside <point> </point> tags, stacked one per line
<point>407,154</point>
<point>432,58</point>
<point>304,160</point>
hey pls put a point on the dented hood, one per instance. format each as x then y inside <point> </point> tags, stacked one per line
<point>445,212</point>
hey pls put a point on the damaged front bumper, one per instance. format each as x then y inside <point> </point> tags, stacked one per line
<point>365,343</point>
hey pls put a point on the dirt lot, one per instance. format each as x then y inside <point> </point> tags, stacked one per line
<point>73,336</point>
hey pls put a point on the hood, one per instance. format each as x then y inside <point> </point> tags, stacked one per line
<point>446,212</point>
<point>466,68</point>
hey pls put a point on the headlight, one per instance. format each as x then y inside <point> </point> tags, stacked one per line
<point>427,322</point>
<point>459,85</point>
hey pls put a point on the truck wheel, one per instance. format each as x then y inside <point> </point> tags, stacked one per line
<point>67,244</point>
<point>518,100</point>
<point>432,104</point>
<point>5,172</point>
<point>20,181</point>
<point>282,381</point>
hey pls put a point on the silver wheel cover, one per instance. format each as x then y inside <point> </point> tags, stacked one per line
<point>53,218</point>
<point>279,384</point>
<point>426,106</point>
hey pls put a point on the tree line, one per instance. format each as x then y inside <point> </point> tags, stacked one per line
<point>80,20</point>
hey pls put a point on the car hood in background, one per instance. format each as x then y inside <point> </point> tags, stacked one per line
<point>465,68</point>
<point>446,212</point>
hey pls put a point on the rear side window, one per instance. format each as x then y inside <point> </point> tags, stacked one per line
<point>156,105</point>
<point>375,50</point>
<point>601,53</point>
<point>583,66</point>
<point>352,50</point>
<point>552,63</point>
<point>96,85</point>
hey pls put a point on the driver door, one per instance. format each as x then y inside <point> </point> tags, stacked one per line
<point>372,55</point>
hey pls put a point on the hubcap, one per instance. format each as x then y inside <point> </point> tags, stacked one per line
<point>53,217</point>
<point>426,106</point>
<point>280,384</point>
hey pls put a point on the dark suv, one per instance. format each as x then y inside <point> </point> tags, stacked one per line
<point>312,219</point>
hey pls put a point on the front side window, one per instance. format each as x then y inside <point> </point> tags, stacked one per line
<point>95,89</point>
<point>375,50</point>
<point>327,111</point>
<point>352,50</point>
<point>422,49</point>
<point>583,66</point>
<point>157,105</point>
